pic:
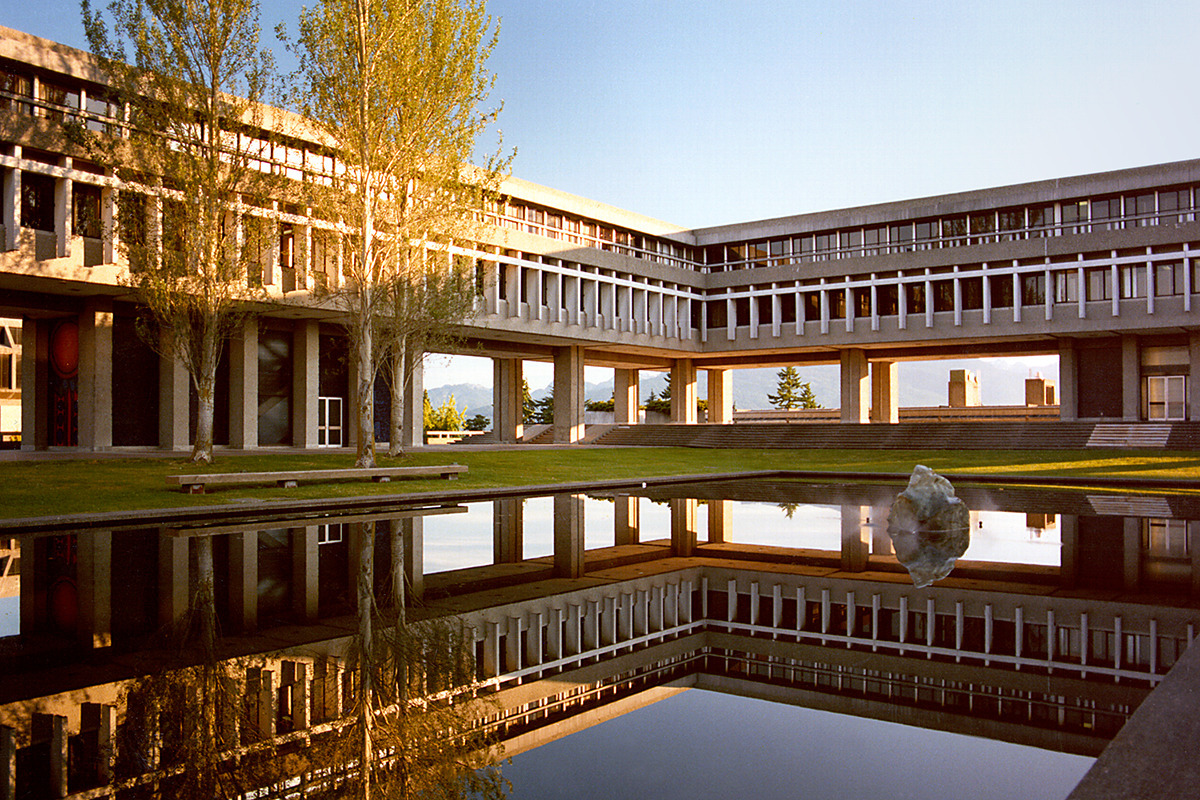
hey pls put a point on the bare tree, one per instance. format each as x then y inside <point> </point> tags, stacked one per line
<point>190,76</point>
<point>397,86</point>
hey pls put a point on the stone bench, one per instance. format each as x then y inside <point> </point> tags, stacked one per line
<point>194,484</point>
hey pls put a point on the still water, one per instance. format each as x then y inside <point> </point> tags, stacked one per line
<point>592,613</point>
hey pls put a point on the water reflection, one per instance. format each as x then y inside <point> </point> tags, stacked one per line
<point>1064,612</point>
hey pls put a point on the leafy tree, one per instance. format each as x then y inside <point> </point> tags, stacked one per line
<point>600,405</point>
<point>791,392</point>
<point>661,403</point>
<point>445,417</point>
<point>529,409</point>
<point>191,76</point>
<point>395,86</point>
<point>477,423</point>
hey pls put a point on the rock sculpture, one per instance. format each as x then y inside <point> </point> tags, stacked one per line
<point>929,526</point>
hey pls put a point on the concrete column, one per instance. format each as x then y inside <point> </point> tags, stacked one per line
<point>854,375</point>
<point>625,396</point>
<point>626,520</point>
<point>174,394</point>
<point>294,674</point>
<point>507,409</point>
<point>10,205</point>
<point>63,205</point>
<point>243,581</point>
<point>885,392</point>
<point>173,584</point>
<point>52,729</point>
<point>1131,379</point>
<point>243,387</point>
<point>93,576</point>
<point>720,521</point>
<point>99,722</point>
<point>683,526</point>
<point>1068,380</point>
<point>1193,382</point>
<point>568,536</point>
<point>408,537</point>
<point>95,374</point>
<point>8,763</point>
<point>856,537</point>
<point>1068,566</point>
<point>305,576</point>
<point>306,373</point>
<point>35,383</point>
<point>720,396</point>
<point>683,391</point>
<point>508,530</point>
<point>1132,552</point>
<point>412,426</point>
<point>568,394</point>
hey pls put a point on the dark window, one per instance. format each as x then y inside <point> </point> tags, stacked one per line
<point>714,254</point>
<point>19,85</point>
<point>1171,202</point>
<point>837,303</point>
<point>1012,223</point>
<point>787,309</point>
<point>850,242</point>
<point>1139,210</point>
<point>37,201</point>
<point>758,254</point>
<point>983,226</point>
<point>86,219</point>
<point>1041,220</point>
<point>1074,216</point>
<point>717,317</point>
<point>954,231</point>
<point>901,237</point>
<point>862,301</point>
<point>741,310</point>
<point>915,298</point>
<point>972,293</point>
<point>873,238</point>
<point>887,298</point>
<point>1168,279</point>
<point>812,305</point>
<point>766,314</point>
<point>1033,289</point>
<point>1107,211</point>
<point>943,295</point>
<point>1002,291</point>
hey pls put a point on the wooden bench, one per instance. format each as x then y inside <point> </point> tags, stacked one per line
<point>194,484</point>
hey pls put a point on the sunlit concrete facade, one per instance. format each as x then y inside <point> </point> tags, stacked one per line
<point>1098,270</point>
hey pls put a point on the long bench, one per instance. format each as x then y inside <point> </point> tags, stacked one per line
<point>195,484</point>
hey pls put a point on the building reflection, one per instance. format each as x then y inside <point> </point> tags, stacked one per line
<point>1056,656</point>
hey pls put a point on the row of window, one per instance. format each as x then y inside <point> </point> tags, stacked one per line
<point>1166,206</point>
<point>1132,282</point>
<point>552,223</point>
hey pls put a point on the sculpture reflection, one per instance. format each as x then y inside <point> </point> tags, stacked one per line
<point>929,526</point>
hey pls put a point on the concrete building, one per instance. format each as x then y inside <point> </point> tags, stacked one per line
<point>1095,269</point>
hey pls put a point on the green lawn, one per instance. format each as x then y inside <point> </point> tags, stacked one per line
<point>39,488</point>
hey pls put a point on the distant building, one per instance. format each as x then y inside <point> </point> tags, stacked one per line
<point>964,388</point>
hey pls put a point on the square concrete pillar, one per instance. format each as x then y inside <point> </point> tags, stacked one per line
<point>1068,381</point>
<point>63,203</point>
<point>412,424</point>
<point>720,396</point>
<point>626,520</point>
<point>51,729</point>
<point>1131,379</point>
<point>625,396</point>
<point>855,386</point>
<point>885,392</point>
<point>243,581</point>
<point>174,395</point>
<point>305,575</point>
<point>306,373</point>
<point>508,530</point>
<point>568,536</point>
<point>10,204</point>
<point>683,391</point>
<point>35,383</point>
<point>856,537</point>
<point>173,583</point>
<point>95,374</point>
<point>8,763</point>
<point>507,397</point>
<point>93,575</point>
<point>720,520</point>
<point>568,394</point>
<point>408,557</point>
<point>243,386</point>
<point>683,526</point>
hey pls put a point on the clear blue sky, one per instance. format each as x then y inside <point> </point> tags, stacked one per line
<point>704,113</point>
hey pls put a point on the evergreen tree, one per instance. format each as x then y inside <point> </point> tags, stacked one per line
<point>529,410</point>
<point>791,392</point>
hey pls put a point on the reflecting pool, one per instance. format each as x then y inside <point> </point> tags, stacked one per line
<point>748,626</point>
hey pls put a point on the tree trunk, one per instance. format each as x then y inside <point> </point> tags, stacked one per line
<point>206,383</point>
<point>365,382</point>
<point>397,362</point>
<point>366,672</point>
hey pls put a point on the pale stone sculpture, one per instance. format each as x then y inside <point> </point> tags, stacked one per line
<point>929,526</point>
